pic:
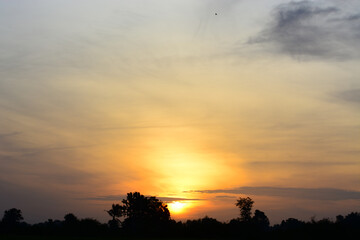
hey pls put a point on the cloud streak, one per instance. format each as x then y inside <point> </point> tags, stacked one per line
<point>301,193</point>
<point>5,135</point>
<point>350,96</point>
<point>310,29</point>
<point>297,164</point>
<point>123,196</point>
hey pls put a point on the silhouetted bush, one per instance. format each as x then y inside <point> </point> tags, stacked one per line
<point>204,227</point>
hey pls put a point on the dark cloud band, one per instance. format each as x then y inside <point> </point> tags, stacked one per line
<point>123,196</point>
<point>310,29</point>
<point>302,193</point>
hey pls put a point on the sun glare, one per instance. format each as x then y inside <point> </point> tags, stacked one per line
<point>176,207</point>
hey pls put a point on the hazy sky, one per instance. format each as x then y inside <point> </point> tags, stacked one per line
<point>102,97</point>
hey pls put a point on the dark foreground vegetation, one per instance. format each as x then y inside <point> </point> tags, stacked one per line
<point>139,217</point>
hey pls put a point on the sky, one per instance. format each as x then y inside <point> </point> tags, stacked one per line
<point>195,102</point>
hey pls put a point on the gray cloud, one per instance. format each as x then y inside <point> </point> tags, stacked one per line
<point>123,196</point>
<point>224,197</point>
<point>106,198</point>
<point>354,17</point>
<point>144,127</point>
<point>47,173</point>
<point>309,29</point>
<point>172,199</point>
<point>297,164</point>
<point>351,96</point>
<point>15,148</point>
<point>302,193</point>
<point>4,135</point>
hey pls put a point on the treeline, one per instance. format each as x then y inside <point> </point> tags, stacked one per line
<point>141,216</point>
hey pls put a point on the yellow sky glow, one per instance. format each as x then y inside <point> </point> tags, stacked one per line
<point>176,207</point>
<point>165,97</point>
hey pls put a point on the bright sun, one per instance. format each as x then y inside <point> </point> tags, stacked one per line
<point>176,207</point>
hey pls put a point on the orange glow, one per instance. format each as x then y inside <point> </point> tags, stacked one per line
<point>176,207</point>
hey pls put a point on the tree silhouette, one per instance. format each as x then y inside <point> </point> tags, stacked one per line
<point>149,217</point>
<point>12,217</point>
<point>291,224</point>
<point>261,220</point>
<point>245,205</point>
<point>138,206</point>
<point>115,212</point>
<point>71,223</point>
<point>70,218</point>
<point>143,214</point>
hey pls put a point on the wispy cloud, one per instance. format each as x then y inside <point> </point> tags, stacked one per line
<point>173,199</point>
<point>145,127</point>
<point>297,164</point>
<point>302,193</point>
<point>350,96</point>
<point>123,196</point>
<point>311,29</point>
<point>221,197</point>
<point>4,135</point>
<point>106,198</point>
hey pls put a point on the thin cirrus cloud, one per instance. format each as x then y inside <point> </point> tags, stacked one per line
<point>10,145</point>
<point>120,197</point>
<point>301,193</point>
<point>313,30</point>
<point>298,164</point>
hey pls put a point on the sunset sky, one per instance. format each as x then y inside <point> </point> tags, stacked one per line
<point>197,102</point>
